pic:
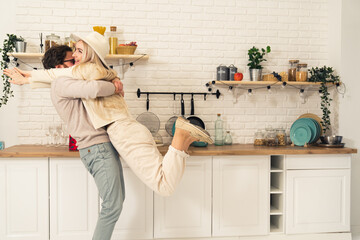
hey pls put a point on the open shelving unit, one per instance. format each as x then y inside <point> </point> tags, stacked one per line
<point>277,186</point>
<point>108,57</point>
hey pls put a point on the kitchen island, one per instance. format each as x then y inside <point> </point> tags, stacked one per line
<point>239,191</point>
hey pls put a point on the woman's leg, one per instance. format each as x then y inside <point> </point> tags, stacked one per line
<point>136,146</point>
<point>102,161</point>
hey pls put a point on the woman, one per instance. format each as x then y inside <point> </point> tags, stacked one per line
<point>131,139</point>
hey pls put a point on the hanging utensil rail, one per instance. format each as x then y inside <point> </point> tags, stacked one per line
<point>217,93</point>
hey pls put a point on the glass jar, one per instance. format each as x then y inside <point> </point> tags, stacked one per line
<point>292,70</point>
<point>281,137</point>
<point>301,72</point>
<point>259,138</point>
<point>70,42</point>
<point>228,138</point>
<point>113,40</point>
<point>271,138</point>
<point>52,40</point>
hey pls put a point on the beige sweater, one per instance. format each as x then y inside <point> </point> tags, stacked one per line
<point>102,110</point>
<point>66,94</point>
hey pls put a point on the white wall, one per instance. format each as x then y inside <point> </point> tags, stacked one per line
<point>8,113</point>
<point>186,41</point>
<point>349,113</point>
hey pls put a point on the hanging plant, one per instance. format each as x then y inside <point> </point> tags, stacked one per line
<point>8,46</point>
<point>324,75</point>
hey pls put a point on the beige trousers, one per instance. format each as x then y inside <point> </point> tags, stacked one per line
<point>136,146</point>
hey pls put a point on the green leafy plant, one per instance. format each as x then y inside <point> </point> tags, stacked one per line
<point>256,57</point>
<point>324,75</point>
<point>8,46</point>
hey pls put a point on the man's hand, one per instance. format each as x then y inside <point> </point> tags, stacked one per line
<point>17,77</point>
<point>118,86</point>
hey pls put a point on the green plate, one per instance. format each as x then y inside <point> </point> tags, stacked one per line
<point>310,123</point>
<point>300,134</point>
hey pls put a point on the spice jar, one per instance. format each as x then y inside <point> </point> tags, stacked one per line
<point>259,138</point>
<point>292,70</point>
<point>281,137</point>
<point>271,138</point>
<point>301,72</point>
<point>52,40</point>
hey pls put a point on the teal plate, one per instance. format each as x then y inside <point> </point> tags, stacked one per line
<point>300,135</point>
<point>310,123</point>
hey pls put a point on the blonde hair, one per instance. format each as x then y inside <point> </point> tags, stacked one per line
<point>91,67</point>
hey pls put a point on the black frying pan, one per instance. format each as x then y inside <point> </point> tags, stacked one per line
<point>193,119</point>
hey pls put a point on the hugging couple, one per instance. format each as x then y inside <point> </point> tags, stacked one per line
<point>89,98</point>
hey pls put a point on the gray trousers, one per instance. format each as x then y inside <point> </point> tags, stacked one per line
<point>103,163</point>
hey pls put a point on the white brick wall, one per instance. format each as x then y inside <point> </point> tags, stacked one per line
<point>186,41</point>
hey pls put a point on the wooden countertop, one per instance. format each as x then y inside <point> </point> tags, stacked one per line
<point>211,150</point>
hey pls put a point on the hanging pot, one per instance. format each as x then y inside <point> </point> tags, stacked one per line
<point>149,119</point>
<point>193,119</point>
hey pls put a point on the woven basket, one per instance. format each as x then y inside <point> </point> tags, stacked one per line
<point>125,49</point>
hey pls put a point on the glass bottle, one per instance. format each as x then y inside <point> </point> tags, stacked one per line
<point>219,132</point>
<point>292,70</point>
<point>51,41</point>
<point>259,138</point>
<point>301,72</point>
<point>228,138</point>
<point>113,40</point>
<point>281,136</point>
<point>70,42</point>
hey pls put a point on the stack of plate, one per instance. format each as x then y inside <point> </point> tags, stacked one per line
<point>304,131</point>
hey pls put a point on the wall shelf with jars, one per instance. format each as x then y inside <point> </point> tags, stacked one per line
<point>108,57</point>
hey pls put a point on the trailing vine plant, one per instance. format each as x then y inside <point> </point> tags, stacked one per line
<point>324,75</point>
<point>8,46</point>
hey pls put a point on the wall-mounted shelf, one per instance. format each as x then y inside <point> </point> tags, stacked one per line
<point>266,83</point>
<point>108,57</point>
<point>120,58</point>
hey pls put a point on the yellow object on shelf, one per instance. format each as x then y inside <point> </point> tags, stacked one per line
<point>99,29</point>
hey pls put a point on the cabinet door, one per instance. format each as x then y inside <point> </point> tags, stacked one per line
<point>318,201</point>
<point>24,199</point>
<point>73,200</point>
<point>241,195</point>
<point>136,219</point>
<point>187,213</point>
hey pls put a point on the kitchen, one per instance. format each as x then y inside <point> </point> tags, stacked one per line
<point>185,42</point>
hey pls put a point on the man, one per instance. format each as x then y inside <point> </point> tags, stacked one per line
<point>96,152</point>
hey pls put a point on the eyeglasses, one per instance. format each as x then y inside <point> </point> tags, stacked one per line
<point>70,60</point>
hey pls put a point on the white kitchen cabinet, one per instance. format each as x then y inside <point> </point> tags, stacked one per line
<point>24,204</point>
<point>241,195</point>
<point>187,213</point>
<point>136,219</point>
<point>318,201</point>
<point>73,200</point>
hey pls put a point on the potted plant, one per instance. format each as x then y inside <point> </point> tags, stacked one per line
<point>324,75</point>
<point>8,46</point>
<point>20,44</point>
<point>255,59</point>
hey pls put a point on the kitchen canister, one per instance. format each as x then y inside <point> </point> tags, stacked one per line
<point>222,73</point>
<point>232,70</point>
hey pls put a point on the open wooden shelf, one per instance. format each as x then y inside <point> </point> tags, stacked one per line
<point>267,83</point>
<point>108,57</point>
